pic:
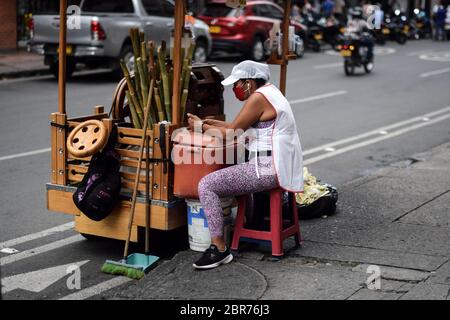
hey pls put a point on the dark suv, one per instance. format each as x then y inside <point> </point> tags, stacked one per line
<point>245,32</point>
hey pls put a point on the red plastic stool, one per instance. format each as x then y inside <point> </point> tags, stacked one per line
<point>277,232</point>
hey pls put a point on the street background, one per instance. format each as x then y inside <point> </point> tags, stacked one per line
<point>389,159</point>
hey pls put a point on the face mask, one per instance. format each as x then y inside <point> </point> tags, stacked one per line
<point>239,92</point>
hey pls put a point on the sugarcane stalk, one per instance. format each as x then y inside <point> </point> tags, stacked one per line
<point>137,87</point>
<point>165,80</point>
<point>159,105</point>
<point>134,35</point>
<point>151,60</point>
<point>134,116</point>
<point>149,103</point>
<point>185,78</point>
<point>132,90</point>
<point>184,96</point>
<point>143,85</point>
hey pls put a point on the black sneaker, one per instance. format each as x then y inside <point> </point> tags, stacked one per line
<point>213,258</point>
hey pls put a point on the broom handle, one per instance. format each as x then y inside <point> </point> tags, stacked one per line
<point>147,197</point>
<point>138,172</point>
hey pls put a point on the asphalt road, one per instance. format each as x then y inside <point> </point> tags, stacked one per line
<point>349,127</point>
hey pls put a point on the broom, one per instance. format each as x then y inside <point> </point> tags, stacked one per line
<point>124,267</point>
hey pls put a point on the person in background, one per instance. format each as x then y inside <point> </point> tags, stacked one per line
<point>440,14</point>
<point>274,146</point>
<point>327,8</point>
<point>360,26</point>
<point>295,13</point>
<point>339,10</point>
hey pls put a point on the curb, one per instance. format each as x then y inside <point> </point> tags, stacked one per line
<point>24,73</point>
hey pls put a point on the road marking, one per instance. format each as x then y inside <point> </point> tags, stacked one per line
<point>436,56</point>
<point>374,140</point>
<point>318,97</point>
<point>434,73</point>
<point>42,249</point>
<point>25,154</point>
<point>417,53</point>
<point>376,131</point>
<point>97,289</point>
<point>37,235</point>
<point>329,65</point>
<point>39,280</point>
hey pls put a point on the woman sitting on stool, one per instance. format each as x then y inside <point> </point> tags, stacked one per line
<point>275,152</point>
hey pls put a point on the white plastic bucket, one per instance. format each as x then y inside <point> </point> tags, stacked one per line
<point>198,231</point>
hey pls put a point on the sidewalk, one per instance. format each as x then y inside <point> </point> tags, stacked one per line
<point>397,219</point>
<point>20,63</point>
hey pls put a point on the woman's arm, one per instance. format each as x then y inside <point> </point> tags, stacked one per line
<point>250,113</point>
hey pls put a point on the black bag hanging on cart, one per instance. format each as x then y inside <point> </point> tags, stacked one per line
<point>99,191</point>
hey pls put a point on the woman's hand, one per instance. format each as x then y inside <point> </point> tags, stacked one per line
<point>192,119</point>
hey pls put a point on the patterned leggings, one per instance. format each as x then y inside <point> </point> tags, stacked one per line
<point>236,180</point>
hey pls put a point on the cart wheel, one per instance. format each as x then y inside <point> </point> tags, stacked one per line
<point>87,138</point>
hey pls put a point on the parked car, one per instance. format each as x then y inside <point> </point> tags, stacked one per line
<point>103,37</point>
<point>243,32</point>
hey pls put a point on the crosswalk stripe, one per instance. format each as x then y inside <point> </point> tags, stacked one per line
<point>97,289</point>
<point>37,235</point>
<point>42,249</point>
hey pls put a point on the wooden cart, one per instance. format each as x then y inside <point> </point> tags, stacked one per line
<point>166,211</point>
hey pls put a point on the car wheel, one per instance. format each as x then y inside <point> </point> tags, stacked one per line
<point>401,38</point>
<point>70,68</point>
<point>257,52</point>
<point>200,52</point>
<point>316,47</point>
<point>126,54</point>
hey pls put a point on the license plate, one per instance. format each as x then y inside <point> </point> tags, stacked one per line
<point>318,36</point>
<point>419,25</point>
<point>69,50</point>
<point>215,29</point>
<point>346,53</point>
<point>405,29</point>
<point>386,31</point>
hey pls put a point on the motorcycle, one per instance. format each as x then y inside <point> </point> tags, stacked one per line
<point>421,24</point>
<point>314,34</point>
<point>398,27</point>
<point>331,29</point>
<point>355,54</point>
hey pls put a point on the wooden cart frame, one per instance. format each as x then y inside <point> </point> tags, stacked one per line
<point>166,211</point>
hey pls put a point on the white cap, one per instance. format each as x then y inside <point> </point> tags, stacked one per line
<point>248,69</point>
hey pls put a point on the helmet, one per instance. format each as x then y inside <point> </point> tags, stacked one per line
<point>356,12</point>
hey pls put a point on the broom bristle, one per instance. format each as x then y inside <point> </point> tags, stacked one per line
<point>114,269</point>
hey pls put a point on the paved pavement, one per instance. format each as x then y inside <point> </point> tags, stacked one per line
<point>396,219</point>
<point>20,63</point>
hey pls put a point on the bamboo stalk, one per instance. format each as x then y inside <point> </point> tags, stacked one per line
<point>143,85</point>
<point>134,35</point>
<point>165,80</point>
<point>134,115</point>
<point>149,103</point>
<point>130,86</point>
<point>151,60</point>
<point>159,105</point>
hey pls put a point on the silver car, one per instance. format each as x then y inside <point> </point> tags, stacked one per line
<point>98,32</point>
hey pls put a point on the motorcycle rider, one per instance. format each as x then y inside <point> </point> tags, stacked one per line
<point>359,26</point>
